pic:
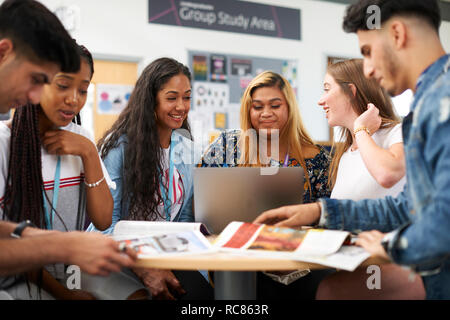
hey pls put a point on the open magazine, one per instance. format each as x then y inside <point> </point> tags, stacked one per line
<point>331,248</point>
<point>151,238</point>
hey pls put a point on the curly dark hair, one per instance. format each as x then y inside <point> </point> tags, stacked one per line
<point>356,16</point>
<point>143,154</point>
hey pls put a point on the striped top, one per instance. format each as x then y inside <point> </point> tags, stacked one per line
<point>71,206</point>
<point>71,198</point>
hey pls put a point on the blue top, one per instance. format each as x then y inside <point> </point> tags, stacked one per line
<point>183,161</point>
<point>421,213</point>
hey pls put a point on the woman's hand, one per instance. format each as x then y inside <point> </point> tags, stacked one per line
<point>63,142</point>
<point>369,119</point>
<point>99,202</point>
<point>162,284</point>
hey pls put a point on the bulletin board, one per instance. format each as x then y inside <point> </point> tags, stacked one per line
<point>218,83</point>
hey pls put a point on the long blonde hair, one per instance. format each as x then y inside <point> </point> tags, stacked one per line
<point>293,132</point>
<point>367,91</point>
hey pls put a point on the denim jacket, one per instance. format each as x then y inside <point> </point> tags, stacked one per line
<point>420,215</point>
<point>183,162</point>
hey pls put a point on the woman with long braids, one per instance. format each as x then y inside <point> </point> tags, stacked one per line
<point>150,160</point>
<point>51,172</point>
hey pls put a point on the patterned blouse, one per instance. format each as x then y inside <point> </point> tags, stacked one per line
<point>224,152</point>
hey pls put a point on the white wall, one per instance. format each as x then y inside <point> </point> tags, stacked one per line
<point>120,28</point>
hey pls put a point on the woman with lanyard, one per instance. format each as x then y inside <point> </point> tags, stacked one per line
<point>147,153</point>
<point>270,116</point>
<point>269,108</point>
<point>55,177</point>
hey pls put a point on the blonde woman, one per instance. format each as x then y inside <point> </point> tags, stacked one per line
<point>272,134</point>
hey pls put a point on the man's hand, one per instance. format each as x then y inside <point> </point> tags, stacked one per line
<point>162,283</point>
<point>371,241</point>
<point>35,232</point>
<point>291,216</point>
<point>96,253</point>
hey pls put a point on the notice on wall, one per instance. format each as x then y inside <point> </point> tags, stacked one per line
<point>241,67</point>
<point>210,109</point>
<point>112,98</point>
<point>220,120</point>
<point>218,68</point>
<point>210,96</point>
<point>200,68</point>
<point>230,15</point>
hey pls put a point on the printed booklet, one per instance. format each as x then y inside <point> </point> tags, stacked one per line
<point>150,238</point>
<point>331,248</point>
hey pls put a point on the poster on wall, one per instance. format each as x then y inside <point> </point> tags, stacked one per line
<point>241,67</point>
<point>200,68</point>
<point>220,120</point>
<point>289,71</point>
<point>209,95</point>
<point>209,111</point>
<point>112,98</point>
<point>218,68</point>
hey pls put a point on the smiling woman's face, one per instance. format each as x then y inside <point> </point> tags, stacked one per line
<point>269,109</point>
<point>174,102</point>
<point>336,104</point>
<point>66,95</point>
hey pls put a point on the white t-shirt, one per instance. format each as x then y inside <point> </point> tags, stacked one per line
<point>178,189</point>
<point>353,179</point>
<point>70,207</point>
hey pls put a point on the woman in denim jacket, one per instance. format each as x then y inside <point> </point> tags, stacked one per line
<point>148,155</point>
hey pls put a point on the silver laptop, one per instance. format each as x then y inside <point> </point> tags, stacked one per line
<point>222,195</point>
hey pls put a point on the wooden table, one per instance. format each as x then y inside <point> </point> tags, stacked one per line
<point>235,275</point>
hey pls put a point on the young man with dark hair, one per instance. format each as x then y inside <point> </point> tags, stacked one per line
<point>405,53</point>
<point>34,46</point>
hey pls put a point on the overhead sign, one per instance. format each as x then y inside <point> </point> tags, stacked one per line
<point>230,15</point>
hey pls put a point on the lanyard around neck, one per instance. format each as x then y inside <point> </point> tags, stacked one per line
<point>286,160</point>
<point>49,217</point>
<point>167,198</point>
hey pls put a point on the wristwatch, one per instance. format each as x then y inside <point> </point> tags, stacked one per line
<point>17,233</point>
<point>386,241</point>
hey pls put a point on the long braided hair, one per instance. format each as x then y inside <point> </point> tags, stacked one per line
<point>23,197</point>
<point>143,154</point>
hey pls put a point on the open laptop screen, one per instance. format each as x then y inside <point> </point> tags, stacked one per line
<point>222,195</point>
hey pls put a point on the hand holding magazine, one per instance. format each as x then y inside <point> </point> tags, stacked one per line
<point>326,247</point>
<point>151,238</point>
<point>331,248</point>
